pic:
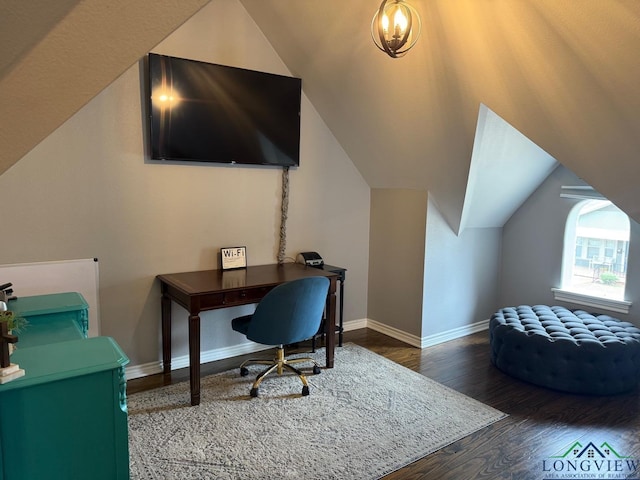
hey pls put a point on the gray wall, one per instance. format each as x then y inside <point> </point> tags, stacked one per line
<point>397,246</point>
<point>533,244</point>
<point>88,191</point>
<point>462,274</point>
<point>424,279</point>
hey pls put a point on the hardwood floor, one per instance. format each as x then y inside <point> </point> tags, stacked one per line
<point>541,423</point>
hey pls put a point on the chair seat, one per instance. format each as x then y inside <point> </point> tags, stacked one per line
<point>241,324</point>
<point>291,312</point>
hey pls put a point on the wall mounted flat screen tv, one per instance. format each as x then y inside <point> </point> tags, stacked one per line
<point>205,112</point>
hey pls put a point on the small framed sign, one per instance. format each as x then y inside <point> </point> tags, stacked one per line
<point>233,257</point>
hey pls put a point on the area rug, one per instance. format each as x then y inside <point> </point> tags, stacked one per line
<point>364,418</point>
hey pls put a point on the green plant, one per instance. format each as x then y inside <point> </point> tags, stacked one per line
<point>609,278</point>
<point>15,323</point>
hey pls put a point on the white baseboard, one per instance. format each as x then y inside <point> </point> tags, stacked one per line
<point>355,324</point>
<point>393,332</point>
<point>421,342</point>
<point>152,368</point>
<point>454,333</point>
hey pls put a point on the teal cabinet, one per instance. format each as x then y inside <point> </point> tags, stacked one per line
<point>51,318</point>
<point>67,417</point>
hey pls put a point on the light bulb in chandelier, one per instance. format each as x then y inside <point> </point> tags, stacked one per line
<point>395,27</point>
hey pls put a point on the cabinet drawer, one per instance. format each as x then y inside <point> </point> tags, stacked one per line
<point>252,295</point>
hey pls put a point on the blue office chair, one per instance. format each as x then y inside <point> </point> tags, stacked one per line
<point>289,313</point>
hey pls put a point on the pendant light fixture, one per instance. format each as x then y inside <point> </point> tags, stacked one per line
<point>395,27</point>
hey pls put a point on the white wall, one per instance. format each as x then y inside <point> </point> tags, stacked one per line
<point>88,191</point>
<point>461,275</point>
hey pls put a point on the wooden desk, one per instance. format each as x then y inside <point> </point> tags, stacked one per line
<point>214,289</point>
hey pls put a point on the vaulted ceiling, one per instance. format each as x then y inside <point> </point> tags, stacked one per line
<point>564,74</point>
<point>55,56</point>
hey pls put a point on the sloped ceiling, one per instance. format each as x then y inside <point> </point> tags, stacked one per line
<point>565,74</point>
<point>55,56</point>
<point>506,168</point>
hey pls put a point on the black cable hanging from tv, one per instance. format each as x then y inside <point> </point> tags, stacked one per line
<point>284,209</point>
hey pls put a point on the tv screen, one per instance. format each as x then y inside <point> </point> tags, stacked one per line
<point>205,112</point>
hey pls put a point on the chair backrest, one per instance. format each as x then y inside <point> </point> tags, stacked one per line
<point>289,313</point>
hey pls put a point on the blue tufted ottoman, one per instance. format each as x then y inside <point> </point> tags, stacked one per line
<point>574,352</point>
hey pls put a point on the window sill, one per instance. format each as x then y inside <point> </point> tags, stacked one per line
<point>620,306</point>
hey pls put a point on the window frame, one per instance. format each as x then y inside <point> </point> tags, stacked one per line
<point>569,252</point>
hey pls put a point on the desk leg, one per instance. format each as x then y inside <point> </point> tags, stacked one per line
<point>166,334</point>
<point>194,358</point>
<point>341,324</point>
<point>330,327</point>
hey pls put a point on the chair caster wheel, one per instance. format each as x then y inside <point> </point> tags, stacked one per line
<point>244,372</point>
<point>254,392</point>
<point>305,391</point>
<point>316,370</point>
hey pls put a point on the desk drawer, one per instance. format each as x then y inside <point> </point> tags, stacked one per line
<point>240,297</point>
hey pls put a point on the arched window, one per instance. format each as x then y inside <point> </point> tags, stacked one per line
<point>596,246</point>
